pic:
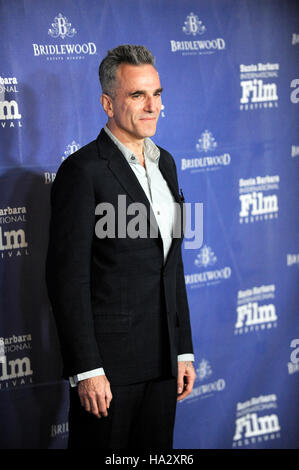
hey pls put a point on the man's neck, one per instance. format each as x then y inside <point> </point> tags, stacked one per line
<point>136,145</point>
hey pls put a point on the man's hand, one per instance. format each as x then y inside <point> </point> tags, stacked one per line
<point>95,395</point>
<point>186,377</point>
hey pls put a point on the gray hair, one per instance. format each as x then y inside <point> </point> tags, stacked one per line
<point>124,54</point>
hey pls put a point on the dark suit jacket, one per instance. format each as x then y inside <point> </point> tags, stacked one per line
<point>115,303</point>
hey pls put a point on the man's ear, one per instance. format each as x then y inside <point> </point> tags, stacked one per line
<point>107,105</point>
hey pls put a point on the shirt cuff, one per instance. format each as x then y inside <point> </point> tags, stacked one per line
<point>185,357</point>
<point>95,372</point>
<point>85,375</point>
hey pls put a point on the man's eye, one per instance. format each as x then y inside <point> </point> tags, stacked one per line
<point>136,96</point>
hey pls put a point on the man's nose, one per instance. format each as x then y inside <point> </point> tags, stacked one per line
<point>150,104</point>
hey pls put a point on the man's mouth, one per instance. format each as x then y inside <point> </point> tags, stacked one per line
<point>148,118</point>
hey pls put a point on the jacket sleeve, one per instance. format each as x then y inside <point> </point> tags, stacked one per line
<point>68,267</point>
<point>185,335</point>
<point>183,314</point>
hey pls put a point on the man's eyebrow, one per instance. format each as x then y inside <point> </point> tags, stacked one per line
<point>142,92</point>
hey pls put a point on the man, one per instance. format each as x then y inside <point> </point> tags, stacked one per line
<point>120,301</point>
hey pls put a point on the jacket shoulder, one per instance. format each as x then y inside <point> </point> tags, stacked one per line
<point>80,162</point>
<point>83,156</point>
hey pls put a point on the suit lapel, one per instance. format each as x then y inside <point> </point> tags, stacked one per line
<point>167,171</point>
<point>121,170</point>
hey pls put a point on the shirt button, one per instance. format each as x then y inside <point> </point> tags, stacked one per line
<point>132,157</point>
<point>158,212</point>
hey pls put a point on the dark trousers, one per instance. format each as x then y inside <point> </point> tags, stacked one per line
<point>141,416</point>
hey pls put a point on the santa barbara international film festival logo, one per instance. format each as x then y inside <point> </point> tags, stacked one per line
<point>62,30</point>
<point>15,361</point>
<point>256,93</point>
<point>256,421</point>
<point>258,198</point>
<point>208,160</point>
<point>70,148</point>
<point>12,232</point>
<point>207,277</point>
<point>10,116</point>
<point>256,309</point>
<point>206,384</point>
<point>194,27</point>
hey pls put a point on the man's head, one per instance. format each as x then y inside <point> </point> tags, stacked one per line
<point>131,94</point>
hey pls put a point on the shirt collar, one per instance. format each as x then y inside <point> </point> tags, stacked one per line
<point>151,151</point>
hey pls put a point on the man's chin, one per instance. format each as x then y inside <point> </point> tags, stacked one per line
<point>148,130</point>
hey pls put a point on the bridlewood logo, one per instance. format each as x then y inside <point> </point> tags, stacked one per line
<point>204,387</point>
<point>12,240</point>
<point>256,309</point>
<point>15,365</point>
<point>255,93</point>
<point>193,26</point>
<point>255,202</point>
<point>206,143</point>
<point>206,257</point>
<point>203,260</point>
<point>10,115</point>
<point>61,29</point>
<point>71,148</point>
<point>208,161</point>
<point>252,425</point>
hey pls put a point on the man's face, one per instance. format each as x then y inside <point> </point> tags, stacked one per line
<point>137,102</point>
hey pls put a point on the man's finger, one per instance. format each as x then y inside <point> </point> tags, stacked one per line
<point>180,383</point>
<point>187,388</point>
<point>180,387</point>
<point>108,398</point>
<point>94,409</point>
<point>184,394</point>
<point>85,403</point>
<point>102,407</point>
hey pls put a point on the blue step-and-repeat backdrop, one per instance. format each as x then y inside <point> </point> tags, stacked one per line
<point>230,74</point>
